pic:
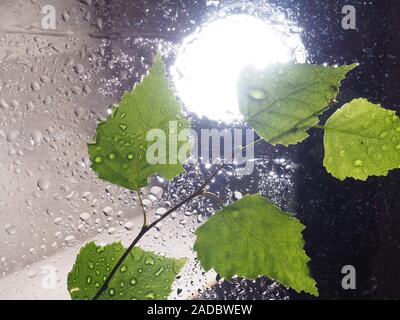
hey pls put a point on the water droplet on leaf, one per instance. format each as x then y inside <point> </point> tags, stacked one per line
<point>358,163</point>
<point>123,269</point>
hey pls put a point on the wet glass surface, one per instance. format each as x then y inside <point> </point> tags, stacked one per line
<point>56,86</point>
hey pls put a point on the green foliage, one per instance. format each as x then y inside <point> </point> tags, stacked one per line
<point>143,275</point>
<point>283,101</point>
<point>119,153</point>
<point>253,237</point>
<point>362,139</point>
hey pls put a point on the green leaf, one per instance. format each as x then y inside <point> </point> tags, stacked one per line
<point>283,101</point>
<point>143,275</point>
<point>119,153</point>
<point>362,139</point>
<point>252,237</point>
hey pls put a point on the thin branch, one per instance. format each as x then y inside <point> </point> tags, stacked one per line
<point>119,263</point>
<point>214,196</point>
<point>143,209</point>
<point>192,196</point>
<point>252,144</point>
<point>200,191</point>
<point>145,229</point>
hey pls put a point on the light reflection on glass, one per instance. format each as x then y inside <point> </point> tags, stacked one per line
<point>209,62</point>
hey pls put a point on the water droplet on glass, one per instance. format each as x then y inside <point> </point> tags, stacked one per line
<point>43,184</point>
<point>111,230</point>
<point>13,135</point>
<point>129,225</point>
<point>35,86</point>
<point>85,216</point>
<point>108,211</point>
<point>10,229</point>
<point>69,239</point>
<point>36,137</point>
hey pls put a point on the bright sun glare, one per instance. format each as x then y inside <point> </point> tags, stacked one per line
<point>209,62</point>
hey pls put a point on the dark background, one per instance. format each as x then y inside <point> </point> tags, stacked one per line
<point>353,222</point>
<point>347,223</point>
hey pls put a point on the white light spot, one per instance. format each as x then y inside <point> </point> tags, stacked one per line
<point>209,62</point>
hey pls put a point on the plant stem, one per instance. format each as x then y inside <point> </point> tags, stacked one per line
<point>146,228</point>
<point>120,261</point>
<point>251,144</point>
<point>214,196</point>
<point>143,209</point>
